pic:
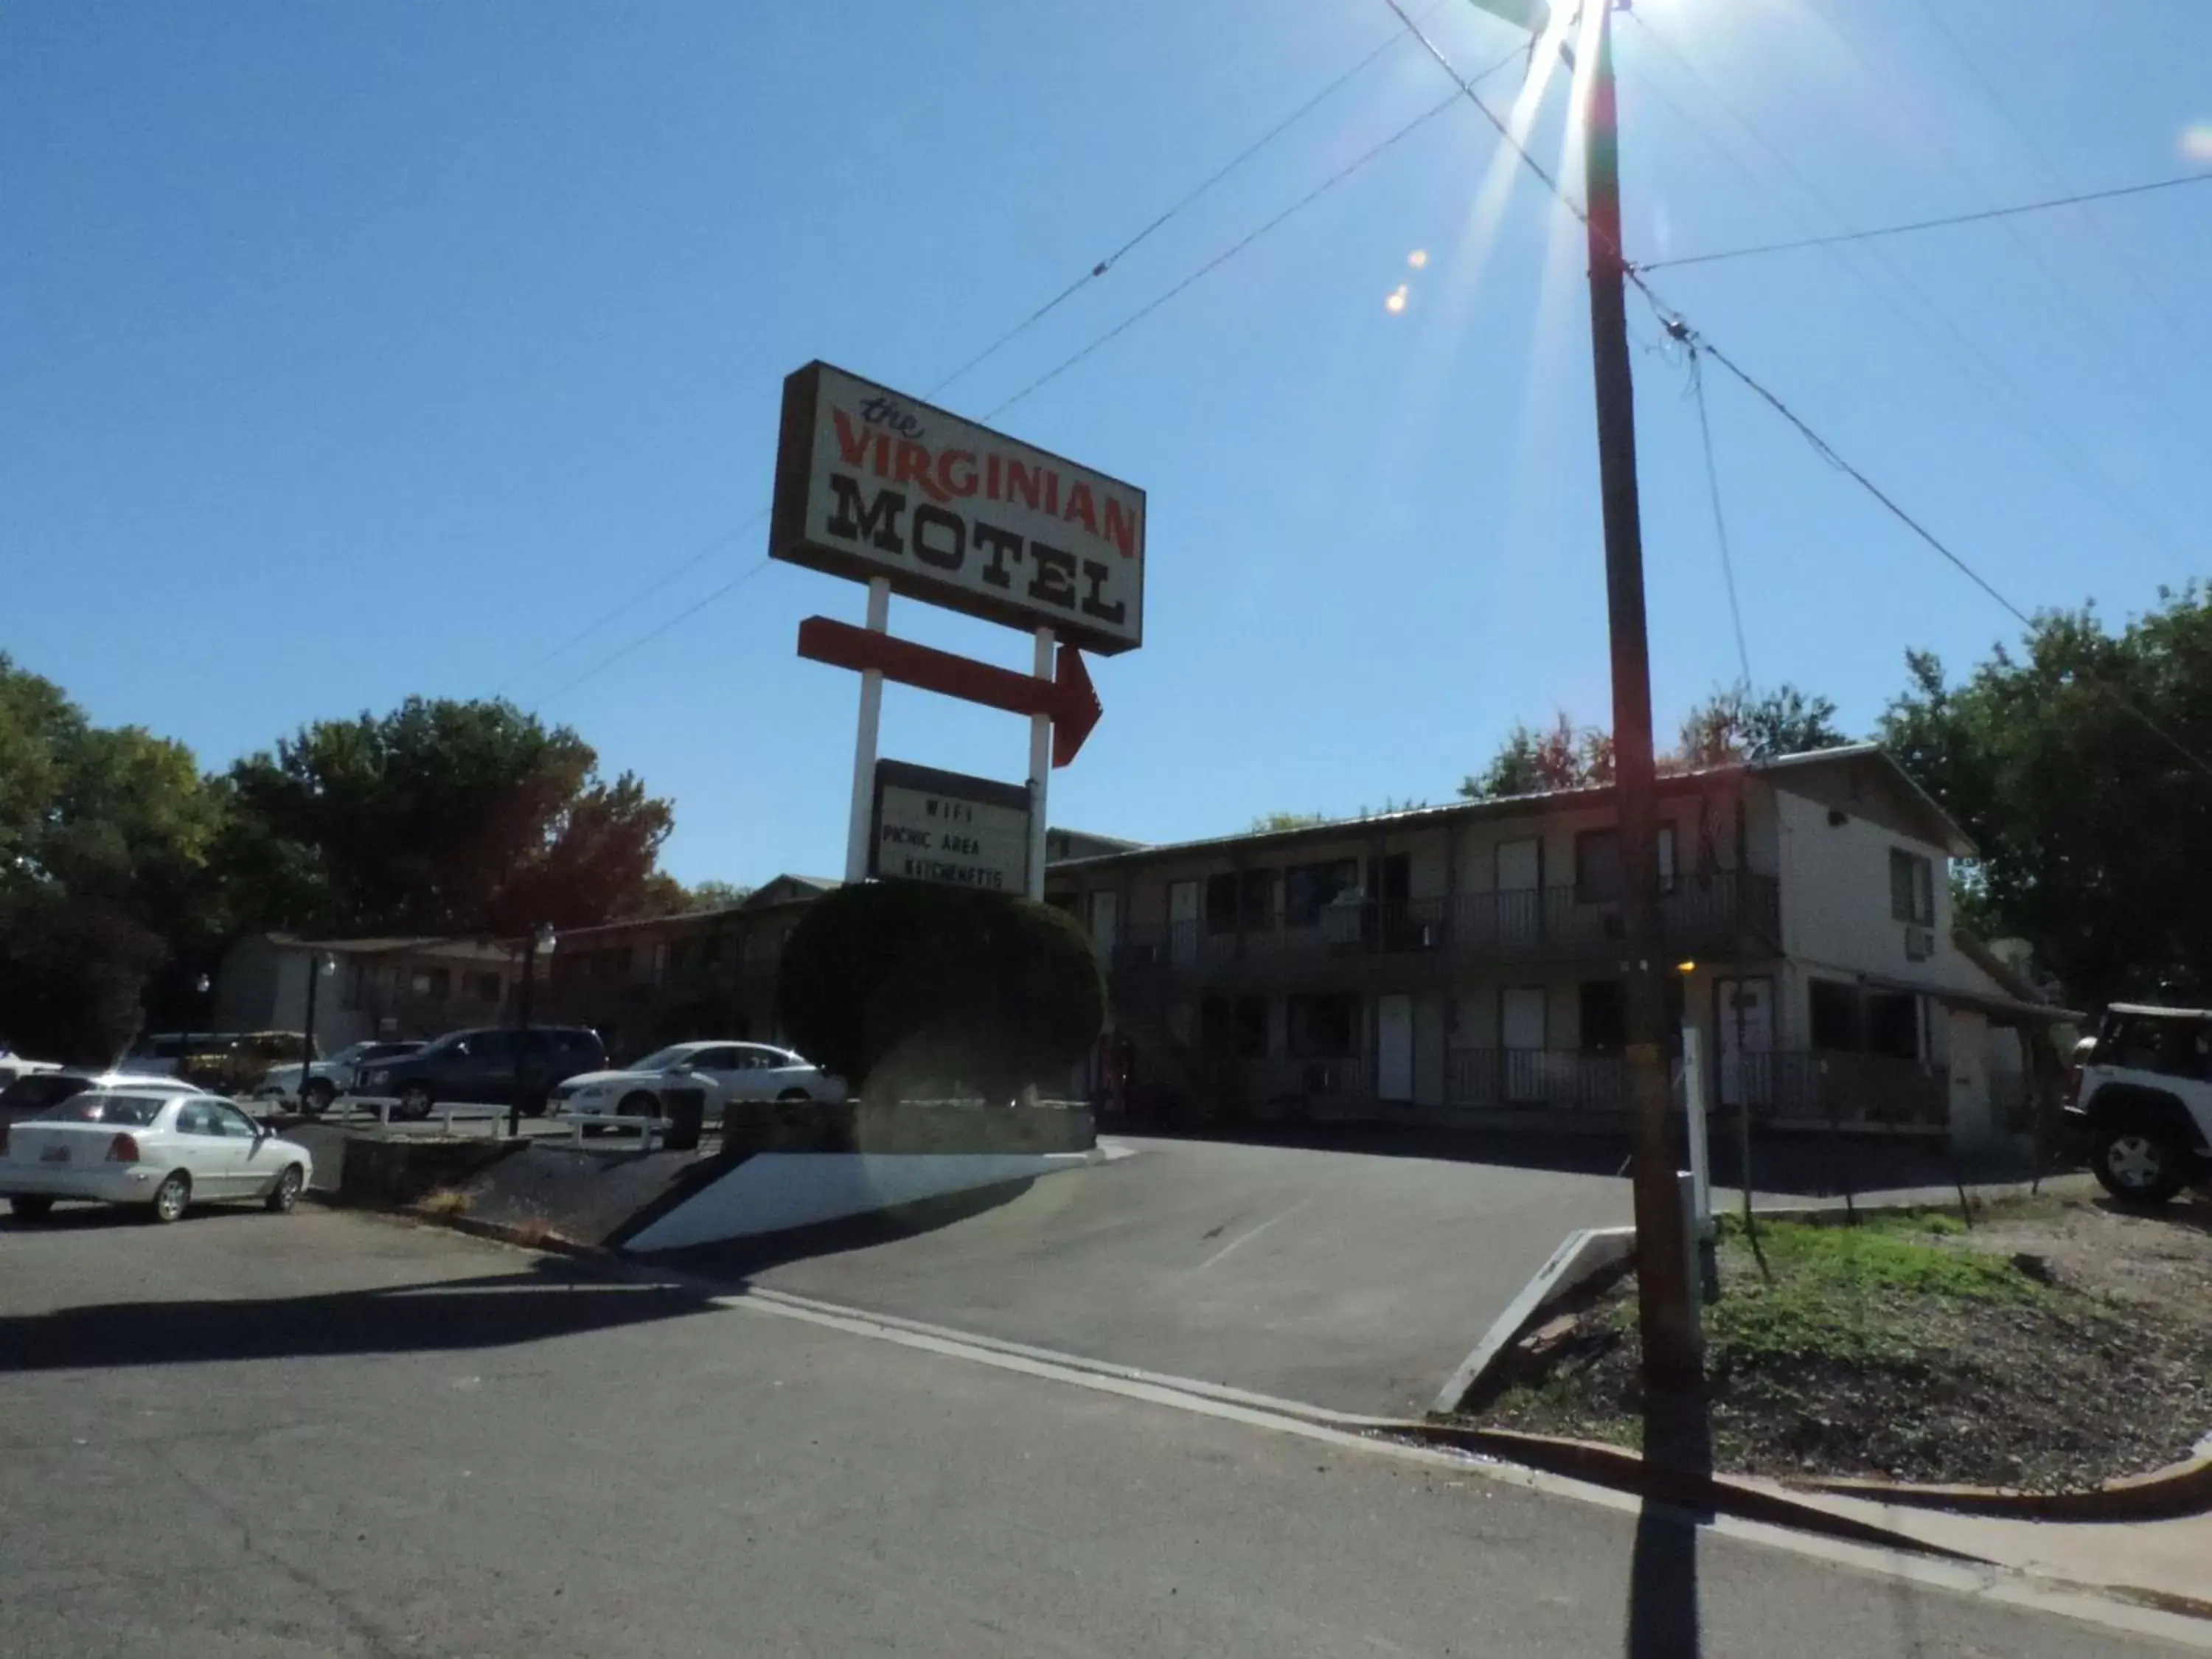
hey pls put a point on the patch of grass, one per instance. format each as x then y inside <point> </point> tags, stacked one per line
<point>1838,1293</point>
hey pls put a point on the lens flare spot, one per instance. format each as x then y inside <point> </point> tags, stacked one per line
<point>1417,257</point>
<point>2196,142</point>
<point>1396,302</point>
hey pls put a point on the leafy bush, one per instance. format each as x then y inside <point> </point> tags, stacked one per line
<point>70,978</point>
<point>904,987</point>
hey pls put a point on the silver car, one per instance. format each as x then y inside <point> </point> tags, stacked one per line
<point>726,1071</point>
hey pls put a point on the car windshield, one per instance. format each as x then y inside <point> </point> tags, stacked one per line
<point>130,1111</point>
<point>663,1059</point>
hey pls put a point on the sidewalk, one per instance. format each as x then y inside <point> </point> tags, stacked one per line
<point>2161,1563</point>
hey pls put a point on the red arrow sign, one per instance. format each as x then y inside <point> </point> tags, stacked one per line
<point>1068,697</point>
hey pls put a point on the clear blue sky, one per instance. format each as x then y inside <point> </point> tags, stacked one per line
<point>348,351</point>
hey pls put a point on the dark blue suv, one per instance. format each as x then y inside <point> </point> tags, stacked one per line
<point>488,1065</point>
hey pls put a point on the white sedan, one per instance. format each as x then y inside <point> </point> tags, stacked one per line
<point>727,1071</point>
<point>162,1150</point>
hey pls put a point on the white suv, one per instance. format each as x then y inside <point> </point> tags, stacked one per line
<point>2143,1090</point>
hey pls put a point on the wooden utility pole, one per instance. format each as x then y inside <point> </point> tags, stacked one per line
<point>1665,1315</point>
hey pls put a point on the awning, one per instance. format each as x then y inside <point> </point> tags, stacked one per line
<point>2010,1010</point>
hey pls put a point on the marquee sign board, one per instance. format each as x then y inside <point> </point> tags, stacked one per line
<point>872,482</point>
<point>944,827</point>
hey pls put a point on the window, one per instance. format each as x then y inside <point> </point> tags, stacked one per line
<point>1600,877</point>
<point>1912,887</point>
<point>2147,1042</point>
<point>196,1117</point>
<point>489,1047</point>
<point>1835,1016</point>
<point>127,1111</point>
<point>710,952</point>
<point>1221,903</point>
<point>1257,900</point>
<point>485,987</point>
<point>680,956</point>
<point>1604,1016</point>
<point>1893,1024</point>
<point>1251,1027</point>
<point>1308,890</point>
<point>231,1122</point>
<point>432,983</point>
<point>1323,1027</point>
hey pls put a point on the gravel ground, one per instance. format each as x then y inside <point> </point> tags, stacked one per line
<point>2055,1346</point>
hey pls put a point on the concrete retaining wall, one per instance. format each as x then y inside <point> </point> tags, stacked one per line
<point>906,1126</point>
<point>773,1192</point>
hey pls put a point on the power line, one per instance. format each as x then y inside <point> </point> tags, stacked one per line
<point>1226,254</point>
<point>628,605</point>
<point>1680,328</point>
<point>1720,521</point>
<point>2051,171</point>
<point>1827,452</point>
<point>1199,189</point>
<point>1932,224</point>
<point>651,634</point>
<point>2008,396</point>
<point>662,582</point>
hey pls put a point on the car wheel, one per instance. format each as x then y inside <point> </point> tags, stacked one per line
<point>173,1197</point>
<point>638,1104</point>
<point>286,1193</point>
<point>2141,1162</point>
<point>30,1209</point>
<point>315,1099</point>
<point>794,1094</point>
<point>415,1102</point>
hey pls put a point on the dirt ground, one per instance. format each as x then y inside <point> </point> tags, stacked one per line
<point>2054,1344</point>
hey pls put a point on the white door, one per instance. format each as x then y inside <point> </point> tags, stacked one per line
<point>1105,916</point>
<point>1394,1048</point>
<point>210,1156</point>
<point>1744,1010</point>
<point>1520,896</point>
<point>1183,921</point>
<point>1521,1035</point>
<point>254,1165</point>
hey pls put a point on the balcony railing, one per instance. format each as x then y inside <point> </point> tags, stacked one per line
<point>1849,1090</point>
<point>1844,1089</point>
<point>1721,912</point>
<point>1560,1080</point>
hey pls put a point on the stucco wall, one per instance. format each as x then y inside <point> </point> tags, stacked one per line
<point>1835,899</point>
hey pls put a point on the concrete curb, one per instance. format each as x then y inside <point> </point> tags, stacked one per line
<point>2178,1490</point>
<point>1586,1252</point>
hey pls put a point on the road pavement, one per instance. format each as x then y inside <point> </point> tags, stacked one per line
<point>1354,1281</point>
<point>252,1436</point>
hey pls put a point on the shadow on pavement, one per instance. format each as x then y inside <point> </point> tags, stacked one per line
<point>734,1261</point>
<point>2194,1211</point>
<point>1663,1619</point>
<point>553,1298</point>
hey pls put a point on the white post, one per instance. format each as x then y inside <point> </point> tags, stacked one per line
<point>1693,1102</point>
<point>1040,769</point>
<point>864,742</point>
<point>445,1122</point>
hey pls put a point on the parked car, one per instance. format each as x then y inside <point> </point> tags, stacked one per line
<point>329,1079</point>
<point>13,1066</point>
<point>161,1148</point>
<point>230,1062</point>
<point>726,1071</point>
<point>2141,1092</point>
<point>490,1065</point>
<point>37,1091</point>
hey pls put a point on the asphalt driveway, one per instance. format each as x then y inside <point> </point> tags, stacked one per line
<point>1352,1280</point>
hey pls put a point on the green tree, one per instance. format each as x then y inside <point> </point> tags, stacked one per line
<point>902,988</point>
<point>716,896</point>
<point>1269,822</point>
<point>2078,767</point>
<point>1739,724</point>
<point>441,818</point>
<point>1529,761</point>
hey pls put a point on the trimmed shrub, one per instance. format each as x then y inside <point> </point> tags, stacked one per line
<point>908,988</point>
